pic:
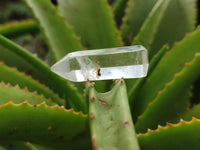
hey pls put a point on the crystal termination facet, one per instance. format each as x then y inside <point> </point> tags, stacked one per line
<point>103,64</point>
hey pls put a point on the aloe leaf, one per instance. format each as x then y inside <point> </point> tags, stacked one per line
<point>59,35</point>
<point>171,63</point>
<point>110,119</point>
<point>179,18</point>
<point>92,21</point>
<point>16,28</point>
<point>139,82</point>
<point>14,77</point>
<point>8,92</point>
<point>173,97</point>
<point>50,126</point>
<point>136,13</point>
<point>14,55</point>
<point>149,28</point>
<point>183,135</point>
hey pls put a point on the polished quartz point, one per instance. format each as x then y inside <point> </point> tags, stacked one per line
<point>103,64</point>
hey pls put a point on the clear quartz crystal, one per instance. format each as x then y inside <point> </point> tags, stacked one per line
<point>103,64</point>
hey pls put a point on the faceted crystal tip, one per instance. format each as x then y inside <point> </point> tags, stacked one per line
<point>103,64</point>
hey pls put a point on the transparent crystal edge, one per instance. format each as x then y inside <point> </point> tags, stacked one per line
<point>57,69</point>
<point>107,51</point>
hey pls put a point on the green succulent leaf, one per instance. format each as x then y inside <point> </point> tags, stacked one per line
<point>171,63</point>
<point>149,28</point>
<point>136,13</point>
<point>184,136</point>
<point>14,77</point>
<point>110,119</point>
<point>16,28</point>
<point>59,35</point>
<point>14,55</point>
<point>50,126</point>
<point>92,21</point>
<point>8,92</point>
<point>179,19</point>
<point>173,97</point>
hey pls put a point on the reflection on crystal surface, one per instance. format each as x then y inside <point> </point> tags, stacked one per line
<point>103,64</point>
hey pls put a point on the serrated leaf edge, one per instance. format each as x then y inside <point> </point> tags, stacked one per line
<point>43,104</point>
<point>168,125</point>
<point>33,80</point>
<point>25,89</point>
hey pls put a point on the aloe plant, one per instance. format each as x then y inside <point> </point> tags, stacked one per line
<point>40,110</point>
